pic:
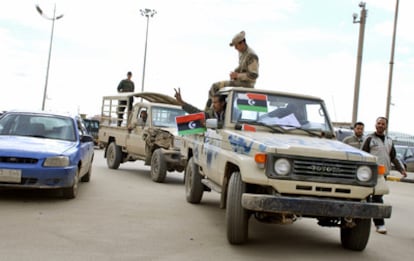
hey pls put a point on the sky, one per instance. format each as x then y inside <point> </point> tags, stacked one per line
<point>306,47</point>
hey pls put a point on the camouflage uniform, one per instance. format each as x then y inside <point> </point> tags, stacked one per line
<point>248,70</point>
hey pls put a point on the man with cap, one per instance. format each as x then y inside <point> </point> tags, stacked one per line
<point>245,74</point>
<point>126,85</point>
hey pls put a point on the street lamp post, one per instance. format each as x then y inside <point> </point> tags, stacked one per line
<point>387,113</point>
<point>147,13</point>
<point>359,57</point>
<point>50,47</point>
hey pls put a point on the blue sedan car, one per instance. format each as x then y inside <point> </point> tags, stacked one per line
<point>45,151</point>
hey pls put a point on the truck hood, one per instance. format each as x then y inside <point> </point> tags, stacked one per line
<point>246,142</point>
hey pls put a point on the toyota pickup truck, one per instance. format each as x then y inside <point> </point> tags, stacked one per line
<point>276,158</point>
<point>145,133</point>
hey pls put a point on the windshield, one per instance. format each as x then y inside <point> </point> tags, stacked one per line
<point>35,125</point>
<point>165,117</point>
<point>279,110</point>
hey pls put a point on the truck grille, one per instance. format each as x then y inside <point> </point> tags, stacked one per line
<point>309,168</point>
<point>322,170</point>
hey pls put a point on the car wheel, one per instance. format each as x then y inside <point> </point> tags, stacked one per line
<point>113,156</point>
<point>356,238</point>
<point>72,191</point>
<point>194,189</point>
<point>237,218</point>
<point>158,166</point>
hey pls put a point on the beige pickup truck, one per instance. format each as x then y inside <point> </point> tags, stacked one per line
<point>277,159</point>
<point>145,133</point>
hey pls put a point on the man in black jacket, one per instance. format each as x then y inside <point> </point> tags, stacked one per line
<point>126,85</point>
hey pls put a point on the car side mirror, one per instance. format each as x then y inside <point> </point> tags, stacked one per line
<point>86,138</point>
<point>212,123</point>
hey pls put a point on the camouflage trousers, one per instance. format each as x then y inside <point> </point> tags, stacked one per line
<point>215,87</point>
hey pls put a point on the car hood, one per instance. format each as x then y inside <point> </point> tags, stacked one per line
<point>32,146</point>
<point>252,142</point>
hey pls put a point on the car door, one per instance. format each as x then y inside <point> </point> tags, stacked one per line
<point>135,139</point>
<point>210,154</point>
<point>409,159</point>
<point>85,149</point>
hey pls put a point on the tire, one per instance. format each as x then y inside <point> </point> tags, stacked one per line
<point>356,238</point>
<point>158,166</point>
<point>237,218</point>
<point>113,156</point>
<point>72,192</point>
<point>192,179</point>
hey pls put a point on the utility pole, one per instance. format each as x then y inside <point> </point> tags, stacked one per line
<point>147,13</point>
<point>361,22</point>
<point>53,19</point>
<point>387,113</point>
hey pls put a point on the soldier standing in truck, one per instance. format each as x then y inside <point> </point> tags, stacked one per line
<point>126,85</point>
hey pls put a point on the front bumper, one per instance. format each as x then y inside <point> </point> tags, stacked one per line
<point>315,207</point>
<point>44,178</point>
<point>174,157</point>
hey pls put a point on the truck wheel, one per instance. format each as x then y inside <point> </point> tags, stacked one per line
<point>193,187</point>
<point>158,166</point>
<point>356,238</point>
<point>113,156</point>
<point>237,218</point>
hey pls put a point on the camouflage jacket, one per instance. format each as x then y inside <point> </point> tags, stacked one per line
<point>248,68</point>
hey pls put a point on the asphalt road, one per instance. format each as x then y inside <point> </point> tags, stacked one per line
<point>123,215</point>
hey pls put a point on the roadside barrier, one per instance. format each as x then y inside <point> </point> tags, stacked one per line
<point>400,179</point>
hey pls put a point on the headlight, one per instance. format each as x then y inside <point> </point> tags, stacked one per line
<point>58,161</point>
<point>364,173</point>
<point>282,167</point>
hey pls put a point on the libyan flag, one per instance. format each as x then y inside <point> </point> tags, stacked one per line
<point>252,102</point>
<point>191,124</point>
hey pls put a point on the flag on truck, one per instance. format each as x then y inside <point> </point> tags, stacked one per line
<point>252,102</point>
<point>191,124</point>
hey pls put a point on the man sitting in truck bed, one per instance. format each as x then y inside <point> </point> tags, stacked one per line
<point>217,111</point>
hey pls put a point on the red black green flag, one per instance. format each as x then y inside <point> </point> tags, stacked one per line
<point>191,124</point>
<point>252,102</point>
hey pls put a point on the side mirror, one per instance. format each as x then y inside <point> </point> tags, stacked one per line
<point>212,123</point>
<point>86,138</point>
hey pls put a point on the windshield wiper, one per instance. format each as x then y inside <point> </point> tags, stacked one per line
<point>274,130</point>
<point>292,127</point>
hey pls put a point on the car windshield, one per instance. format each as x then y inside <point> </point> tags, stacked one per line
<point>165,117</point>
<point>282,111</point>
<point>37,125</point>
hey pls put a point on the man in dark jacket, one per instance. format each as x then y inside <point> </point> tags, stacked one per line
<point>126,85</point>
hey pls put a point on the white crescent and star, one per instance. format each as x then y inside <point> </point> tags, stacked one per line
<point>251,102</point>
<point>192,125</point>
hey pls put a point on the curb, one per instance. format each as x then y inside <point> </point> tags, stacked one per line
<point>398,179</point>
